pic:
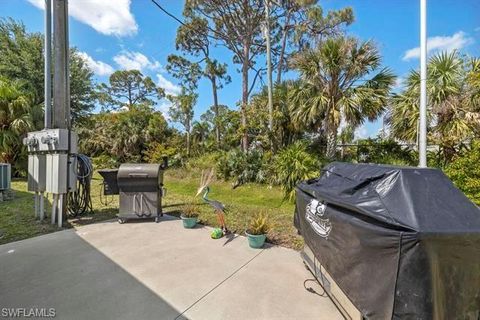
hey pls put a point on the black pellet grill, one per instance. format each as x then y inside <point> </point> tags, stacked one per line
<point>140,186</point>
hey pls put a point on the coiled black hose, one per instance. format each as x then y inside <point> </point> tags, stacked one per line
<point>79,201</point>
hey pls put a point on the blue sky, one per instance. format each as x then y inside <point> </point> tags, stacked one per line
<point>116,34</point>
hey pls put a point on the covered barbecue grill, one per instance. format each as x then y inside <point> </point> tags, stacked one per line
<point>141,189</point>
<point>400,242</point>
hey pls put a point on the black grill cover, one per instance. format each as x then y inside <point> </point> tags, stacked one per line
<point>401,242</point>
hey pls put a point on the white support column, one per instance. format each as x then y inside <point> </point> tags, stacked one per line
<point>422,139</point>
<point>42,206</point>
<point>54,207</point>
<point>35,201</point>
<point>61,199</point>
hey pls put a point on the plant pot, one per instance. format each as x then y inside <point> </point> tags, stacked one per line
<point>256,241</point>
<point>189,222</point>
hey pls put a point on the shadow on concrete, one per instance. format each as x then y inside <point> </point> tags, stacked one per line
<point>64,272</point>
<point>230,237</point>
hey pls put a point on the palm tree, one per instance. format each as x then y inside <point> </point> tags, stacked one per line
<point>200,133</point>
<point>340,80</point>
<point>347,135</point>
<point>473,83</point>
<point>453,111</point>
<point>18,116</point>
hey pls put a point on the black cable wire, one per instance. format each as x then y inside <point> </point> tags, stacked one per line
<point>171,15</point>
<point>79,201</point>
<point>168,13</point>
<point>104,198</point>
<point>321,282</point>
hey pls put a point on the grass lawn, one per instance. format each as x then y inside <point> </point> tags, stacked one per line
<point>17,221</point>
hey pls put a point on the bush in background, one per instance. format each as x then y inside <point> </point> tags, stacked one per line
<point>464,171</point>
<point>243,167</point>
<point>105,162</point>
<point>384,151</point>
<point>294,164</point>
<point>205,161</point>
<point>156,151</point>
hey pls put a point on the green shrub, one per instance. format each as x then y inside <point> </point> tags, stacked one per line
<point>156,151</point>
<point>204,161</point>
<point>105,162</point>
<point>292,165</point>
<point>243,167</point>
<point>384,151</point>
<point>464,171</point>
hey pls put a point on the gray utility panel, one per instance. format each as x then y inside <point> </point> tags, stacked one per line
<point>5,176</point>
<point>141,190</point>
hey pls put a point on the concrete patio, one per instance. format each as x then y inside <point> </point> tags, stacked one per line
<point>146,270</point>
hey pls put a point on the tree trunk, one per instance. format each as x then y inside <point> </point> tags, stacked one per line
<point>215,110</point>
<point>245,67</point>
<point>331,141</point>
<point>282,50</point>
<point>448,153</point>
<point>130,99</point>
<point>342,154</point>
<point>188,138</point>
<point>269,75</point>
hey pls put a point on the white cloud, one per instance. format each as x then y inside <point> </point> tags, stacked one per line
<point>129,60</point>
<point>170,87</point>
<point>121,109</point>
<point>98,67</point>
<point>456,41</point>
<point>164,107</point>
<point>361,132</point>
<point>399,83</point>
<point>110,17</point>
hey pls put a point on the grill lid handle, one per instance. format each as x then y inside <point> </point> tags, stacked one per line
<point>143,175</point>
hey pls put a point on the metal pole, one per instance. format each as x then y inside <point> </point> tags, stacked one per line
<point>61,94</point>
<point>269,65</point>
<point>54,207</point>
<point>422,141</point>
<point>48,66</point>
<point>42,206</point>
<point>36,204</point>
<point>61,207</point>
<point>61,103</point>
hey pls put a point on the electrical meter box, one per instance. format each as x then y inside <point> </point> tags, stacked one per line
<point>36,172</point>
<point>48,160</point>
<point>57,165</point>
<point>51,140</point>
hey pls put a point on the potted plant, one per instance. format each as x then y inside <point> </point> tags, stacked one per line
<point>257,231</point>
<point>189,215</point>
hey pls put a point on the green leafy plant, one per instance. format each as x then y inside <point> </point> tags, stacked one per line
<point>105,161</point>
<point>384,151</point>
<point>292,165</point>
<point>243,167</point>
<point>203,162</point>
<point>156,151</point>
<point>190,210</point>
<point>259,224</point>
<point>465,172</point>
